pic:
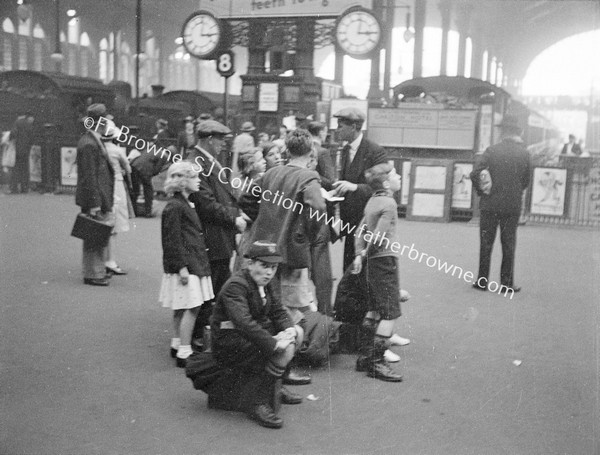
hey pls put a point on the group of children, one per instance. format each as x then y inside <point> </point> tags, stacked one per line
<point>186,283</point>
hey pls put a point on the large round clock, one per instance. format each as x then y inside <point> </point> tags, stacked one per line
<point>202,34</point>
<point>358,32</point>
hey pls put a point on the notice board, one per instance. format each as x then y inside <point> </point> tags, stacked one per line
<point>430,190</point>
<point>423,128</point>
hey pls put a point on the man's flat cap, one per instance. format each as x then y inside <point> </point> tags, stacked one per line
<point>96,110</point>
<point>264,251</point>
<point>351,113</point>
<point>212,128</point>
<point>247,127</point>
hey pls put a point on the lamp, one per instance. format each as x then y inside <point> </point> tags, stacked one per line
<point>408,33</point>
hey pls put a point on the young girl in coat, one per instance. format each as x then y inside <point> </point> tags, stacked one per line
<point>186,282</point>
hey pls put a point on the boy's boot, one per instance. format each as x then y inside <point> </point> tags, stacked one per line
<point>366,337</point>
<point>377,366</point>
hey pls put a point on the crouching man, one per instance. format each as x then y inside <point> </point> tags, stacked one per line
<point>251,330</point>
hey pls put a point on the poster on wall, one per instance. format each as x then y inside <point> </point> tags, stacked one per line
<point>430,191</point>
<point>462,186</point>
<point>35,164</point>
<point>548,191</point>
<point>268,97</point>
<point>68,166</point>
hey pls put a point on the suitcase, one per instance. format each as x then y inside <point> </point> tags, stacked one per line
<point>91,229</point>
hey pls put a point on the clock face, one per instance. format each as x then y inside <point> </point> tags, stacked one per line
<point>358,33</point>
<point>202,34</point>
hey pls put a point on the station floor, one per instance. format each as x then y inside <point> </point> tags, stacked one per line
<point>86,370</point>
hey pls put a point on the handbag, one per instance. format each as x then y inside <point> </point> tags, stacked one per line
<point>92,229</point>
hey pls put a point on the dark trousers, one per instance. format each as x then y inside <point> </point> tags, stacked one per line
<point>320,272</point>
<point>138,179</point>
<point>220,273</point>
<point>20,174</point>
<point>348,250</point>
<point>488,225</point>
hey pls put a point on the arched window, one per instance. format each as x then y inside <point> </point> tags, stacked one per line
<point>85,54</point>
<point>111,57</point>
<point>468,56</point>
<point>73,30</point>
<point>492,78</point>
<point>484,66</point>
<point>125,63</point>
<point>24,32</point>
<point>103,60</point>
<point>38,40</point>
<point>8,31</point>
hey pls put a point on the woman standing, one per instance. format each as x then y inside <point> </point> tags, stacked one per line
<point>122,208</point>
<point>186,282</point>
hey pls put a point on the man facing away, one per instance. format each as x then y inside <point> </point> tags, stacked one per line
<point>509,170</point>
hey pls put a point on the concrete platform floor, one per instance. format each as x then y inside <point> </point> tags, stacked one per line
<point>86,370</point>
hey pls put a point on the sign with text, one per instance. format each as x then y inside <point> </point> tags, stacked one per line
<point>423,128</point>
<point>268,97</point>
<point>246,9</point>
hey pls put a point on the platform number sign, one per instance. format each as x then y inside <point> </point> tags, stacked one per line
<point>225,63</point>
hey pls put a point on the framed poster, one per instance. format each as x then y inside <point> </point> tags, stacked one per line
<point>268,97</point>
<point>35,164</point>
<point>462,187</point>
<point>548,191</point>
<point>68,166</point>
<point>430,190</point>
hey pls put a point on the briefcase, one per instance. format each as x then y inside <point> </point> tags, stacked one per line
<point>92,229</point>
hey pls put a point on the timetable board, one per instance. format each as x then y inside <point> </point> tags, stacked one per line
<point>423,128</point>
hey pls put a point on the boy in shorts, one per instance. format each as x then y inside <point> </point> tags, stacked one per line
<point>379,267</point>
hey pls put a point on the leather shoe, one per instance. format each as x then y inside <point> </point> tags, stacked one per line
<point>390,356</point>
<point>293,378</point>
<point>181,363</point>
<point>265,416</point>
<point>173,353</point>
<point>289,397</point>
<point>381,370</point>
<point>513,287</point>
<point>96,281</point>
<point>115,270</point>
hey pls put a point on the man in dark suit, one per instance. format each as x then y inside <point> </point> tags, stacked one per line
<point>571,148</point>
<point>216,205</point>
<point>148,164</point>
<point>94,193</point>
<point>358,155</point>
<point>22,134</point>
<point>501,194</point>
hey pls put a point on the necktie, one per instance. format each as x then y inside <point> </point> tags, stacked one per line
<point>346,162</point>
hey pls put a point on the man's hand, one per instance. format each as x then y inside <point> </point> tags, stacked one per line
<point>357,265</point>
<point>343,186</point>
<point>95,211</point>
<point>240,223</point>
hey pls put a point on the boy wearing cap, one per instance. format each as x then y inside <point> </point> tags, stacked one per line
<point>358,155</point>
<point>376,234</point>
<point>252,331</point>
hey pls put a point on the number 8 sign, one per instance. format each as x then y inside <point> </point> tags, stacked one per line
<point>225,63</point>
